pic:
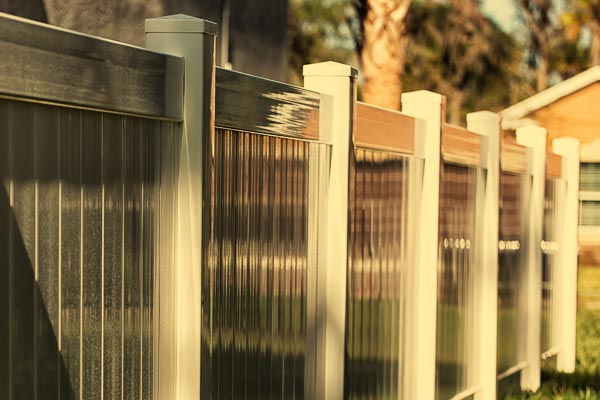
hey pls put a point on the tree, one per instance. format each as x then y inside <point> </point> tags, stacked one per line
<point>456,50</point>
<point>319,31</point>
<point>540,19</point>
<point>450,46</point>
<point>584,14</point>
<point>382,47</point>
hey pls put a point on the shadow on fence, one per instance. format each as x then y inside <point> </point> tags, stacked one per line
<point>34,361</point>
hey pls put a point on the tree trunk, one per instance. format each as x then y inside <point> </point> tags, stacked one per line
<point>384,52</point>
<point>595,47</point>
<point>455,105</point>
<point>538,17</point>
<point>541,74</point>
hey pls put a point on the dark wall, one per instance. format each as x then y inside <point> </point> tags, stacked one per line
<point>257,32</point>
<point>31,9</point>
<point>207,9</point>
<point>121,20</point>
<point>257,28</point>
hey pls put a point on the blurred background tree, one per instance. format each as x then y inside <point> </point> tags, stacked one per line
<point>320,31</point>
<point>582,15</point>
<point>556,47</point>
<point>454,49</point>
<point>542,29</point>
<point>447,46</point>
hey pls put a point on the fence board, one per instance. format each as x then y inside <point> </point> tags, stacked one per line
<point>251,104</point>
<point>53,64</point>
<point>460,146</point>
<point>381,129</point>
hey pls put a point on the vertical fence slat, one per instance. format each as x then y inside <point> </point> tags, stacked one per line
<point>339,81</point>
<point>112,158</point>
<point>150,132</point>
<point>535,138</point>
<point>22,250</point>
<point>70,175</point>
<point>568,148</point>
<point>92,256</point>
<point>5,216</point>
<point>267,268</point>
<point>549,251</point>
<point>48,206</point>
<point>132,261</point>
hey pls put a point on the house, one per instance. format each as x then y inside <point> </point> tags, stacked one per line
<point>572,108</point>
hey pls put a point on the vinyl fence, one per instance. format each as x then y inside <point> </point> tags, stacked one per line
<point>169,229</point>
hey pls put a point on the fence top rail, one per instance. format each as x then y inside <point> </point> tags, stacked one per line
<point>553,165</point>
<point>460,145</point>
<point>251,104</point>
<point>513,156</point>
<point>44,63</point>
<point>383,129</point>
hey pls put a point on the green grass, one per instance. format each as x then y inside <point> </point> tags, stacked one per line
<point>585,382</point>
<point>589,288</point>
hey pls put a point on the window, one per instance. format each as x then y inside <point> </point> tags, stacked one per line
<point>590,213</point>
<point>589,177</point>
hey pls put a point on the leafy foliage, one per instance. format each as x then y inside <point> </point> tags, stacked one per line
<point>320,31</point>
<point>581,15</point>
<point>553,47</point>
<point>462,53</point>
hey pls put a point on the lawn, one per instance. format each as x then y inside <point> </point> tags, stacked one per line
<point>585,382</point>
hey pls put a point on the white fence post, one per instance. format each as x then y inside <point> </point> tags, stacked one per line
<point>339,81</point>
<point>193,39</point>
<point>534,137</point>
<point>568,148</point>
<point>420,341</point>
<point>487,124</point>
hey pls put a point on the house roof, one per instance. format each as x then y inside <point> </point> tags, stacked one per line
<point>513,116</point>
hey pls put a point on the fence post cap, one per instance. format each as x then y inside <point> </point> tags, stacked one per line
<point>565,146</point>
<point>423,96</point>
<point>483,116</point>
<point>329,68</point>
<point>180,23</point>
<point>531,136</point>
<point>532,130</point>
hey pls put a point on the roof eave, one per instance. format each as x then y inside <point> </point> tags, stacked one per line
<point>546,97</point>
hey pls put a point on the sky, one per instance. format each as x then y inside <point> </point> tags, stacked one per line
<point>502,11</point>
